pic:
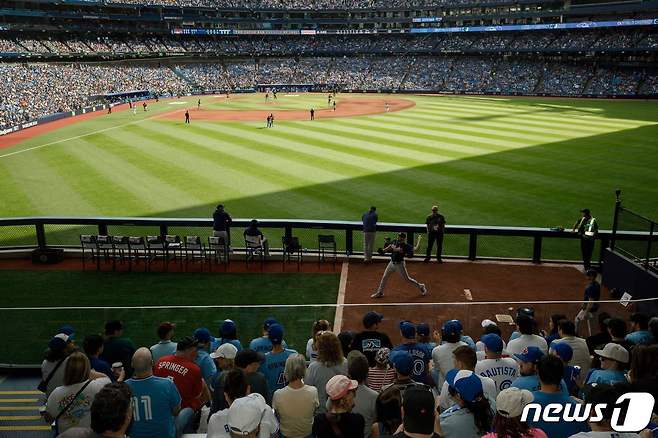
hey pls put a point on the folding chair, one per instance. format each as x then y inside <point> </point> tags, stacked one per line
<point>88,243</point>
<point>121,247</point>
<point>104,247</point>
<point>157,248</point>
<point>326,245</point>
<point>174,246</point>
<point>194,249</point>
<point>217,251</point>
<point>253,247</point>
<point>137,250</point>
<point>291,249</point>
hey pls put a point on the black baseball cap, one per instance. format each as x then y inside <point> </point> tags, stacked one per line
<point>372,318</point>
<point>186,343</point>
<point>585,210</point>
<point>418,404</point>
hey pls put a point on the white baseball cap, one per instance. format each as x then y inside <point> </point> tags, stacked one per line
<point>226,351</point>
<point>246,413</point>
<point>511,401</point>
<point>486,322</point>
<point>613,351</point>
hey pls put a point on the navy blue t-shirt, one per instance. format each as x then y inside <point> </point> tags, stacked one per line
<point>593,292</point>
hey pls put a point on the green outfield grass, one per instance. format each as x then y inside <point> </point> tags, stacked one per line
<point>485,160</point>
<point>98,289</point>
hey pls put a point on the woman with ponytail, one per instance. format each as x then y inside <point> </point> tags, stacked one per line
<point>339,421</point>
<point>471,415</point>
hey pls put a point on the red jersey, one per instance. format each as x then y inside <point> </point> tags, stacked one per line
<point>185,374</point>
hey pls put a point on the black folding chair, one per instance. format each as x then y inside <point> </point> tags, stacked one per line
<point>104,248</point>
<point>138,250</point>
<point>174,247</point>
<point>253,247</point>
<point>217,251</point>
<point>157,249</point>
<point>292,249</point>
<point>121,249</point>
<point>194,250</point>
<point>327,246</point>
<point>87,244</point>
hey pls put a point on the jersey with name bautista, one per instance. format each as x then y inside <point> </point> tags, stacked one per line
<point>154,399</point>
<point>503,371</point>
<point>272,369</point>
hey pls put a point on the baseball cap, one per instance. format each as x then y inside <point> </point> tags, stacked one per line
<point>340,385</point>
<point>562,350</point>
<point>112,326</point>
<point>613,351</point>
<point>248,356</point>
<point>202,335</point>
<point>225,351</point>
<point>487,322</point>
<point>246,413</point>
<point>382,355</point>
<point>423,329</point>
<point>585,210</point>
<point>164,328</point>
<point>185,343</point>
<point>403,362</point>
<point>466,383</point>
<point>269,322</point>
<point>58,342</point>
<point>493,342</point>
<point>530,354</point>
<point>372,318</point>
<point>227,328</point>
<point>68,330</point>
<point>408,329</point>
<point>275,333</point>
<point>527,311</point>
<point>452,327</point>
<point>418,404</point>
<point>511,401</point>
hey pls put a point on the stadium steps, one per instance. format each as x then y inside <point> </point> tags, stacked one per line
<point>19,408</point>
<point>589,80</point>
<point>185,78</point>
<point>539,84</point>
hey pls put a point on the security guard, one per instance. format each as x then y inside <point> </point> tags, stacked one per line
<point>588,228</point>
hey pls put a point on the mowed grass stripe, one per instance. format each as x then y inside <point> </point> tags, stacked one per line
<point>39,175</point>
<point>144,178</point>
<point>13,193</point>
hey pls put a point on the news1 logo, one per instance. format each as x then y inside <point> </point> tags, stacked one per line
<point>637,407</point>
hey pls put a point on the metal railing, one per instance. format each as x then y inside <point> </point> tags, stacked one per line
<point>468,241</point>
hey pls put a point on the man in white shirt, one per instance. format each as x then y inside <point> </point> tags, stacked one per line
<point>466,359</point>
<point>525,324</point>
<point>567,331</point>
<point>442,357</point>
<point>503,370</point>
<point>247,415</point>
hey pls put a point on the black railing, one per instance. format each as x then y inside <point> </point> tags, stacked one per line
<point>642,251</point>
<point>63,232</point>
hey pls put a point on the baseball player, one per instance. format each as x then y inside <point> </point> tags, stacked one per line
<point>187,116</point>
<point>334,104</point>
<point>145,106</point>
<point>135,110</point>
<point>198,104</point>
<point>399,248</point>
<point>312,114</point>
<point>386,106</point>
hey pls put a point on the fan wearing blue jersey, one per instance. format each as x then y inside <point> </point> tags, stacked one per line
<point>275,361</point>
<point>203,359</point>
<point>228,333</point>
<point>420,352</point>
<point>263,344</point>
<point>155,400</point>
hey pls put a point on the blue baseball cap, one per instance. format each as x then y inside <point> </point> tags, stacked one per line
<point>202,335</point>
<point>454,326</point>
<point>530,354</point>
<point>423,329</point>
<point>227,329</point>
<point>562,350</point>
<point>466,383</point>
<point>269,322</point>
<point>403,362</point>
<point>493,342</point>
<point>68,330</point>
<point>408,329</point>
<point>275,333</point>
<point>372,318</point>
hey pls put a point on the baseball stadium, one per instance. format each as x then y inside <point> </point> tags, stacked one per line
<point>369,218</point>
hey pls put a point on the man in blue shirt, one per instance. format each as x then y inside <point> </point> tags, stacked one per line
<point>420,352</point>
<point>263,344</point>
<point>614,360</point>
<point>93,346</point>
<point>399,249</point>
<point>551,370</point>
<point>156,400</point>
<point>591,302</point>
<point>165,347</point>
<point>529,359</point>
<point>369,220</point>
<point>229,334</point>
<point>275,361</point>
<point>203,359</point>
<point>640,334</point>
<point>571,373</point>
<point>221,224</point>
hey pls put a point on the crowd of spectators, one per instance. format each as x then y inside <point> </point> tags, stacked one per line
<point>298,4</point>
<point>34,90</point>
<point>306,45</point>
<point>437,381</point>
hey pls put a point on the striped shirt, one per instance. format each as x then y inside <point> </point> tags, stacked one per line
<point>379,377</point>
